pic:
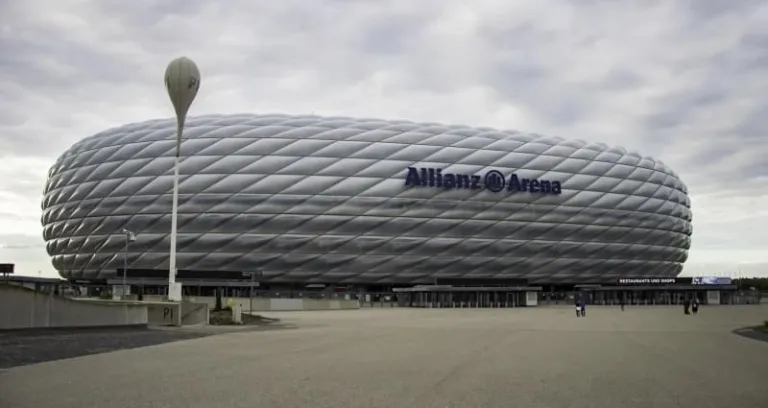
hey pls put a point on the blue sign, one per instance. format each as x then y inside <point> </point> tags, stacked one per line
<point>711,280</point>
<point>493,181</point>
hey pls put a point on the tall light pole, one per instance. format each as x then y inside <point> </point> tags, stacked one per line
<point>253,276</point>
<point>129,237</point>
<point>182,80</point>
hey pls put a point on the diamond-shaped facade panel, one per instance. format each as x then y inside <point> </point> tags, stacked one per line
<point>341,200</point>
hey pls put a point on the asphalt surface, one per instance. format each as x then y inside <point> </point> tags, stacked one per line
<point>19,348</point>
<point>545,357</point>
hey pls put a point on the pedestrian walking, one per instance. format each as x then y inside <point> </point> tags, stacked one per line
<point>578,308</point>
<point>583,308</point>
<point>695,306</point>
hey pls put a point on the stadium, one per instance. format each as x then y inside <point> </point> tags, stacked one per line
<point>362,202</point>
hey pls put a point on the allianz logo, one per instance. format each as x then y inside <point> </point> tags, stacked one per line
<point>493,181</point>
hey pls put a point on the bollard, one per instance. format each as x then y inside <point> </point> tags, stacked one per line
<point>237,314</point>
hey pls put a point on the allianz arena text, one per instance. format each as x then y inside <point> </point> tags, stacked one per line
<point>336,200</point>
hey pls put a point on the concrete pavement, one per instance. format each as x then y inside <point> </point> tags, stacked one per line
<point>539,357</point>
<point>29,347</point>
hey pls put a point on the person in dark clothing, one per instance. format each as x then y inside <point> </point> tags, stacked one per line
<point>583,308</point>
<point>695,306</point>
<point>621,302</point>
<point>686,306</point>
<point>578,308</point>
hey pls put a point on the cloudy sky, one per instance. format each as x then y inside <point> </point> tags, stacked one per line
<point>683,81</point>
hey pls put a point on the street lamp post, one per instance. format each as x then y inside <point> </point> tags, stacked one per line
<point>129,237</point>
<point>182,81</point>
<point>253,276</point>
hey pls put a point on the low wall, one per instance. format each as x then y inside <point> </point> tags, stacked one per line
<point>195,313</point>
<point>164,314</point>
<point>161,312</point>
<point>279,304</point>
<point>23,308</point>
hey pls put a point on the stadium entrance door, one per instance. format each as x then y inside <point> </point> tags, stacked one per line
<point>467,297</point>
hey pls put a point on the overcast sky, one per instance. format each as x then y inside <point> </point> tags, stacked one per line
<point>683,81</point>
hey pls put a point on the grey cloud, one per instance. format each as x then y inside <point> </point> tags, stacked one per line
<point>19,241</point>
<point>682,81</point>
<point>145,13</point>
<point>391,36</point>
<point>618,79</point>
<point>752,127</point>
<point>24,187</point>
<point>716,9</point>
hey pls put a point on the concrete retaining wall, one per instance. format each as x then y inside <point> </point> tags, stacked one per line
<point>164,314</point>
<point>279,304</point>
<point>23,308</point>
<point>195,313</point>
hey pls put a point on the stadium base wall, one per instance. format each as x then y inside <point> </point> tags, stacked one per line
<point>279,305</point>
<point>23,308</point>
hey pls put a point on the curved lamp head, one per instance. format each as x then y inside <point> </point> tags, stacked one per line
<point>182,80</point>
<point>129,235</point>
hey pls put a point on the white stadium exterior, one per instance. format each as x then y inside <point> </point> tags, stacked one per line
<point>336,200</point>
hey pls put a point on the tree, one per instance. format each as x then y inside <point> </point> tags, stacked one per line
<point>760,284</point>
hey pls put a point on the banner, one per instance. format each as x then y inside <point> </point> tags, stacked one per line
<point>646,281</point>
<point>711,280</point>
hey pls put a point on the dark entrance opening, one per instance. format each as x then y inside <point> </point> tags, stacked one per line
<point>467,297</point>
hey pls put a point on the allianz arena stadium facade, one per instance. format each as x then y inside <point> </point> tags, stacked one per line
<point>336,200</point>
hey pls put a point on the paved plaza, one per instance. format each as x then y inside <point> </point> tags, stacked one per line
<point>537,357</point>
<point>22,348</point>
